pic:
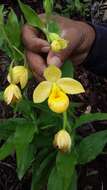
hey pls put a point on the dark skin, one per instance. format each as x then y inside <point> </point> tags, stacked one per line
<point>80,36</point>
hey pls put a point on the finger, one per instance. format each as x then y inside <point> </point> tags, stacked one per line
<point>39,78</point>
<point>32,41</point>
<point>77,59</point>
<point>36,63</point>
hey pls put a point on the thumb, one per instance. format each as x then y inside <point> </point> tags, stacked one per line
<point>58,58</point>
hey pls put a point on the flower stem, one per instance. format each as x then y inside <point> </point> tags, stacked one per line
<point>25,61</point>
<point>66,123</point>
<point>46,32</point>
<point>10,70</point>
<point>14,47</point>
<point>64,120</point>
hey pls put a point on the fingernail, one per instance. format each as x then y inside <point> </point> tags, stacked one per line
<point>55,60</point>
<point>45,49</point>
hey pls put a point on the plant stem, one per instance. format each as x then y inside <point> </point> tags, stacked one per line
<point>46,32</point>
<point>19,51</point>
<point>25,61</point>
<point>64,120</point>
<point>10,70</point>
<point>66,123</point>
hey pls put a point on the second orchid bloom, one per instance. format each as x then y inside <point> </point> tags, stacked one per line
<point>55,89</point>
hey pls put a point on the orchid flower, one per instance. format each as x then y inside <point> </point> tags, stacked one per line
<point>55,89</point>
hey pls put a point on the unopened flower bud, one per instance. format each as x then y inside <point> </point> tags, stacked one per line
<point>19,75</point>
<point>12,94</point>
<point>62,141</point>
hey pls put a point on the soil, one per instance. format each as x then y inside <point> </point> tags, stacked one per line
<point>92,176</point>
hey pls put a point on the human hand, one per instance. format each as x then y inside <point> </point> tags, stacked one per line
<point>80,36</point>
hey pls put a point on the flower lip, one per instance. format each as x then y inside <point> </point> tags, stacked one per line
<point>58,101</point>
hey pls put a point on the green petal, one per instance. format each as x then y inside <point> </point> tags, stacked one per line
<point>52,73</point>
<point>53,36</point>
<point>42,92</point>
<point>70,86</point>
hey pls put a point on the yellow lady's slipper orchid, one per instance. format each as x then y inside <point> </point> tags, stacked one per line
<point>19,75</point>
<point>58,43</point>
<point>62,141</point>
<point>12,93</point>
<point>56,89</point>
